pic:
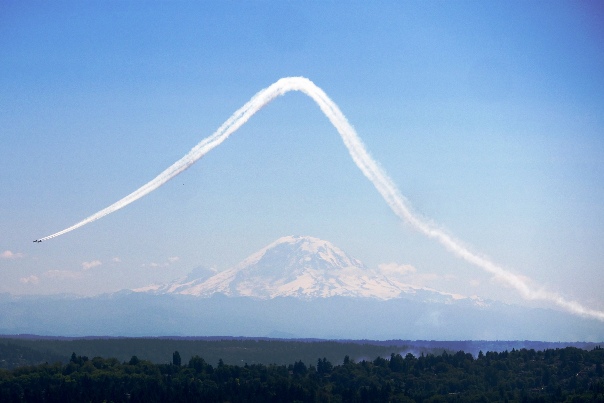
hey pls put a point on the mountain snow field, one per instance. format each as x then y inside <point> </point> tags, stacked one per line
<point>302,267</point>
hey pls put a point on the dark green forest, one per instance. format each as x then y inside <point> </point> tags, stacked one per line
<point>19,352</point>
<point>554,375</point>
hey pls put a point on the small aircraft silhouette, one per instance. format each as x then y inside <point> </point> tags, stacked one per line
<point>38,240</point>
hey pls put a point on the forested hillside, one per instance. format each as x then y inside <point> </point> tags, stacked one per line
<point>568,374</point>
<point>19,352</point>
<point>23,350</point>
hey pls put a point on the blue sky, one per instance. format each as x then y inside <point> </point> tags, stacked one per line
<point>489,116</point>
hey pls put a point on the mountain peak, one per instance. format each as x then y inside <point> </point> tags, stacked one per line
<point>297,253</point>
<point>294,266</point>
<point>300,267</point>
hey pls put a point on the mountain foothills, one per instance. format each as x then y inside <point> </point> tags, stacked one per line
<point>299,267</point>
<point>296,287</point>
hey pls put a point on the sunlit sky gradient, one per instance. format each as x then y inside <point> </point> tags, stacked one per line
<point>488,116</point>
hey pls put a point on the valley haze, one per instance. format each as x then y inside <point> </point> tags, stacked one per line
<point>295,287</point>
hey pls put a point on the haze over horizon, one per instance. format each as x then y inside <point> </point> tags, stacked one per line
<point>487,117</point>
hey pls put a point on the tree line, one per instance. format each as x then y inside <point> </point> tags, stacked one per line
<point>20,352</point>
<point>561,375</point>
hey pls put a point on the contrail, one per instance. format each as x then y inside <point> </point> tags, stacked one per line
<point>366,164</point>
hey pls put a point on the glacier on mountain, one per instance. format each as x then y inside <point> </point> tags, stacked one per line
<point>301,267</point>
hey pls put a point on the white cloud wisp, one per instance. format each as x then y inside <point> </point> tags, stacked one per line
<point>7,254</point>
<point>365,163</point>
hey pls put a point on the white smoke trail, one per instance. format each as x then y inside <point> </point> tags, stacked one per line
<point>366,164</point>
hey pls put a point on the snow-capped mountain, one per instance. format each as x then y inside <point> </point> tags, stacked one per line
<point>301,267</point>
<point>282,290</point>
<point>195,277</point>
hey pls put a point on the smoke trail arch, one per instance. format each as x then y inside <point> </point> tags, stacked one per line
<point>368,166</point>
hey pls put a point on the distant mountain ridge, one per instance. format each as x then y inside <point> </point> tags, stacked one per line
<point>296,287</point>
<point>139,314</point>
<point>301,267</point>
